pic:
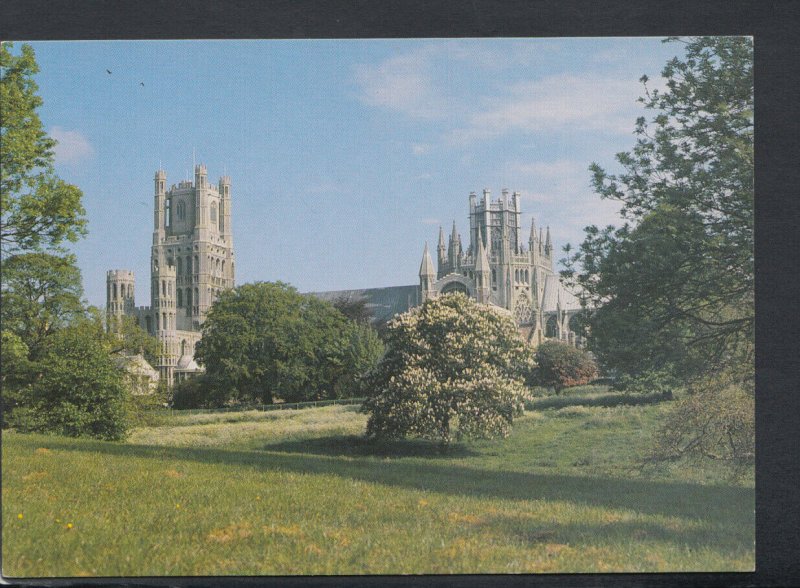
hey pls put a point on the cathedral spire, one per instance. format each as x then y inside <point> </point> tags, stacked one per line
<point>441,237</point>
<point>426,267</point>
<point>482,270</point>
<point>481,259</point>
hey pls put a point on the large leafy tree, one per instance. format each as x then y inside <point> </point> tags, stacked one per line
<point>265,340</point>
<point>41,294</point>
<point>38,208</point>
<point>673,287</point>
<point>452,369</point>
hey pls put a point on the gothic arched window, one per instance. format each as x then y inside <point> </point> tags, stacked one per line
<point>189,265</point>
<point>180,298</point>
<point>181,210</point>
<point>213,212</point>
<point>180,266</point>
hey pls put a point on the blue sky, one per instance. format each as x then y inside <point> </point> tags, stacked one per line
<point>345,156</point>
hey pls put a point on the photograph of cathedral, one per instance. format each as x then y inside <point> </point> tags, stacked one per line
<point>490,307</point>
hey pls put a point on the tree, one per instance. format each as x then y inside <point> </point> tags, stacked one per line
<point>38,208</point>
<point>673,287</point>
<point>715,420</point>
<point>14,373</point>
<point>127,337</point>
<point>41,293</point>
<point>452,369</point>
<point>77,391</point>
<point>265,340</point>
<point>354,309</point>
<point>560,365</point>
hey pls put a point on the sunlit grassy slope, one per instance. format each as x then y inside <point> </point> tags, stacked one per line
<point>299,492</point>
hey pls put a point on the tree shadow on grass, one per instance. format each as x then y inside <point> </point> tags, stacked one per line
<point>721,504</point>
<point>359,446</point>
<point>723,536</point>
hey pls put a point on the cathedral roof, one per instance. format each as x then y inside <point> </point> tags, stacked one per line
<point>187,364</point>
<point>383,303</point>
<point>553,290</point>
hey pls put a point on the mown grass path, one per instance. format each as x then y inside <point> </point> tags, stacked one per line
<point>301,493</point>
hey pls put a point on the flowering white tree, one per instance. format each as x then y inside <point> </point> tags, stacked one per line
<point>453,369</point>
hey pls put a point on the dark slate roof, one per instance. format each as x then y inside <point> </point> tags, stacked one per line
<point>384,303</point>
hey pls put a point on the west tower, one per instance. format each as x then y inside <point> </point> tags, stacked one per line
<point>191,262</point>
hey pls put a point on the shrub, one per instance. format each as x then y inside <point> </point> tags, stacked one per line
<point>453,368</point>
<point>78,391</point>
<point>201,391</point>
<point>715,419</point>
<point>560,365</point>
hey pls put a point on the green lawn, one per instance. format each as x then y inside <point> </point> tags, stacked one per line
<point>299,492</point>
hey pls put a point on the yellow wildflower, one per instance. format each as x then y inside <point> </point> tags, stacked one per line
<point>19,516</point>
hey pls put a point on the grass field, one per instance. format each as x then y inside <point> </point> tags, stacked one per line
<point>299,492</point>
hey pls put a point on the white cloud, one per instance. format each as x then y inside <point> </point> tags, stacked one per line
<point>403,83</point>
<point>425,83</point>
<point>72,146</point>
<point>554,103</point>
<point>430,221</point>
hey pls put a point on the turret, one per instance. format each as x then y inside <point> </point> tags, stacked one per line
<point>473,223</point>
<point>454,246</point>
<point>120,297</point>
<point>225,209</point>
<point>548,245</point>
<point>427,275</point>
<point>487,218</point>
<point>517,221</point>
<point>201,200</point>
<point>441,253</point>
<point>159,206</point>
<point>163,296</point>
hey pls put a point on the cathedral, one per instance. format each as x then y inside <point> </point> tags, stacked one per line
<point>191,261</point>
<point>497,268</point>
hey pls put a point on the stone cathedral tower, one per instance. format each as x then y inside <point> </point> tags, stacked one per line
<point>191,261</point>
